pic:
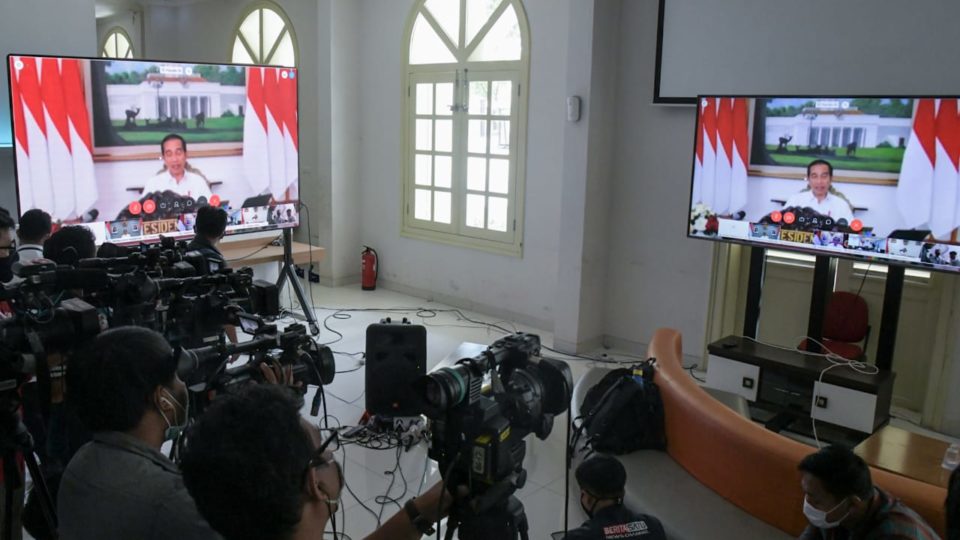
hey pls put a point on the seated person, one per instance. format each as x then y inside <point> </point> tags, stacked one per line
<point>7,246</point>
<point>35,227</point>
<point>176,175</point>
<point>125,389</point>
<point>70,244</point>
<point>820,195</point>
<point>841,501</point>
<point>953,506</point>
<point>210,227</point>
<point>253,466</point>
<point>602,481</point>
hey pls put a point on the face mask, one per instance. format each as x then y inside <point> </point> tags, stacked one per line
<point>818,518</point>
<point>173,430</point>
<point>589,511</point>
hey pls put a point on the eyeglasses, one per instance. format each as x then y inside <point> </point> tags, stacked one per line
<point>331,443</point>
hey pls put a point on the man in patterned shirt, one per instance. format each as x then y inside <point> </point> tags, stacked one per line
<point>841,502</point>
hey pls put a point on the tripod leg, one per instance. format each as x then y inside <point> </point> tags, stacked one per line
<point>39,483</point>
<point>301,297</point>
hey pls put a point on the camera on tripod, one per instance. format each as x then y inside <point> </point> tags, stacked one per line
<point>478,431</point>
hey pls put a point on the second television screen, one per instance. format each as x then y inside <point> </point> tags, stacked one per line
<point>131,149</point>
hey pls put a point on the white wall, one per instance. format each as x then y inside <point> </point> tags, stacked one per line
<point>656,276</point>
<point>29,28</point>
<point>522,287</point>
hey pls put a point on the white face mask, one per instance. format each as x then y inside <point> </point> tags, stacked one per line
<point>818,518</point>
<point>173,430</point>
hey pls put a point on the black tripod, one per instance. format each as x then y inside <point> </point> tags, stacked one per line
<point>494,514</point>
<point>14,440</point>
<point>287,272</point>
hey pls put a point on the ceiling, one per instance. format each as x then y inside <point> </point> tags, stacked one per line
<point>107,8</point>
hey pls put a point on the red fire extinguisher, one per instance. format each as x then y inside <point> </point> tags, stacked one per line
<point>369,268</point>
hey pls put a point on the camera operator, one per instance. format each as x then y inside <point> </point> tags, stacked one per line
<point>70,244</point>
<point>35,227</point>
<point>255,469</point>
<point>210,228</point>
<point>119,486</point>
<point>7,246</point>
<point>602,481</point>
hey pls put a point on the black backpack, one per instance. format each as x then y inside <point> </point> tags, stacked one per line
<point>623,412</point>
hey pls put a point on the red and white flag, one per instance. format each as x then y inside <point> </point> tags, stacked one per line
<point>23,144</point>
<point>34,121</point>
<point>58,139</point>
<point>278,163</point>
<point>291,143</point>
<point>256,158</point>
<point>741,143</point>
<point>709,183</point>
<point>84,179</point>
<point>945,171</point>
<point>697,195</point>
<point>724,155</point>
<point>915,187</point>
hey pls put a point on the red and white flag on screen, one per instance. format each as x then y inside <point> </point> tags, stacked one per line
<point>709,184</point>
<point>58,138</point>
<point>724,155</point>
<point>84,180</point>
<point>697,195</point>
<point>34,120</point>
<point>915,187</point>
<point>278,162</point>
<point>22,143</point>
<point>291,142</point>
<point>945,170</point>
<point>256,157</point>
<point>741,143</point>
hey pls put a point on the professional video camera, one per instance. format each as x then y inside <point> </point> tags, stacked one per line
<point>205,369</point>
<point>167,258</point>
<point>478,433</point>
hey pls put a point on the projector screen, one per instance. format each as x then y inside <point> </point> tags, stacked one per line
<point>131,149</point>
<point>874,178</point>
<point>814,47</point>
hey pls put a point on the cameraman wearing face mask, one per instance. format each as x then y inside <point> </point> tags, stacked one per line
<point>120,486</point>
<point>841,502</point>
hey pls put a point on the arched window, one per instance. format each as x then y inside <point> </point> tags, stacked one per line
<point>467,65</point>
<point>264,36</point>
<point>117,44</point>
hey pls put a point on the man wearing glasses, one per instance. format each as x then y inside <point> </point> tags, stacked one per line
<point>258,470</point>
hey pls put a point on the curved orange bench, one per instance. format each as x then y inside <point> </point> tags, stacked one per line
<point>750,466</point>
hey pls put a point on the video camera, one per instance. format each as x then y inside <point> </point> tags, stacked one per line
<point>205,369</point>
<point>478,432</point>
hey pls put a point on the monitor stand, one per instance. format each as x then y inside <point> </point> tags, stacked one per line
<point>287,272</point>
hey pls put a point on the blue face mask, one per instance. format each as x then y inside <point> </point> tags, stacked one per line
<point>174,430</point>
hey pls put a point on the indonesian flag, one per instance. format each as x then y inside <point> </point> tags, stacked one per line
<point>709,183</point>
<point>23,144</point>
<point>741,142</point>
<point>278,163</point>
<point>84,180</point>
<point>58,138</point>
<point>35,127</point>
<point>697,195</point>
<point>915,187</point>
<point>724,155</point>
<point>256,158</point>
<point>288,90</point>
<point>945,171</point>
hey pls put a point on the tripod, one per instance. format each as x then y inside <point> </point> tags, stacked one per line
<point>287,272</point>
<point>497,513</point>
<point>14,439</point>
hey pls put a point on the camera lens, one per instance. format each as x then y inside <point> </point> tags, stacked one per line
<point>446,387</point>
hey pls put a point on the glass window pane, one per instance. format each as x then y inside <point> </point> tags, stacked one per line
<point>497,214</point>
<point>502,42</point>
<point>475,207</point>
<point>111,46</point>
<point>424,134</point>
<point>477,137</point>
<point>500,176</point>
<point>478,12</point>
<point>123,46</point>
<point>250,30</point>
<point>502,95</point>
<point>444,99</point>
<point>129,53</point>
<point>476,173</point>
<point>447,13</point>
<point>426,47</point>
<point>421,204</point>
<point>240,54</point>
<point>442,203</point>
<point>284,56</point>
<point>272,26</point>
<point>422,167</point>
<point>500,137</point>
<point>444,141</point>
<point>443,171</point>
<point>424,95</point>
<point>478,97</point>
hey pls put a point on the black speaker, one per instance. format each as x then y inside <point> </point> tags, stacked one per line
<point>396,357</point>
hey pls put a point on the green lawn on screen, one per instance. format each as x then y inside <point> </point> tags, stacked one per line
<point>228,129</point>
<point>866,159</point>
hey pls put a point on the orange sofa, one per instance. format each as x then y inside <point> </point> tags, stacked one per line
<point>750,466</point>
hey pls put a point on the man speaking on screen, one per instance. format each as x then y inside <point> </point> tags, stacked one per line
<point>175,177</point>
<point>818,194</point>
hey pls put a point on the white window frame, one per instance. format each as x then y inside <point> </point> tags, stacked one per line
<point>256,50</point>
<point>111,34</point>
<point>462,72</point>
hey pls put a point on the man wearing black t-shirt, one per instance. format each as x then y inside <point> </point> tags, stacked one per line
<point>602,479</point>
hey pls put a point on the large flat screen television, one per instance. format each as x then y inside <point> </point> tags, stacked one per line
<point>874,178</point>
<point>132,148</point>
